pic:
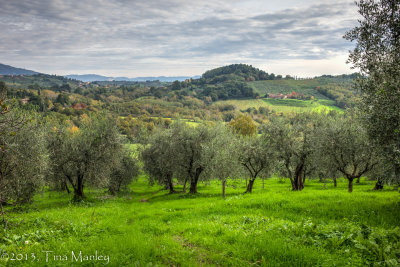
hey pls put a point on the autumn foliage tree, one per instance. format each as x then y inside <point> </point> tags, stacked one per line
<point>244,125</point>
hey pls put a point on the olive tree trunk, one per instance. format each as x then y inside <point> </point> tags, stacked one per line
<point>194,181</point>
<point>299,178</point>
<point>250,185</point>
<point>379,184</point>
<point>350,184</point>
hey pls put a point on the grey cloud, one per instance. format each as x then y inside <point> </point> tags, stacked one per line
<point>105,33</point>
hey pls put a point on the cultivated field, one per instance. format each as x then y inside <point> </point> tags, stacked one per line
<point>283,105</point>
<point>287,86</point>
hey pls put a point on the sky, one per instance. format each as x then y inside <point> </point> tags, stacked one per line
<point>176,37</point>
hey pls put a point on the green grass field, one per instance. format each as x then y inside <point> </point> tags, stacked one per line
<point>306,87</point>
<point>283,105</point>
<point>319,226</point>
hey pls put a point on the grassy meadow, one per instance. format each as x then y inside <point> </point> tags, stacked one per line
<point>283,105</point>
<point>274,226</point>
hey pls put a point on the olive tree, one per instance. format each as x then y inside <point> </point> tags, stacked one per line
<point>222,154</point>
<point>124,172</point>
<point>321,165</point>
<point>377,56</point>
<point>256,156</point>
<point>292,139</point>
<point>23,160</point>
<point>158,157</point>
<point>85,154</point>
<point>23,155</point>
<point>347,146</point>
<point>177,152</point>
<point>188,145</point>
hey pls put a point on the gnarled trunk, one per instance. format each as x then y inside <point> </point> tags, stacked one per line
<point>193,186</point>
<point>78,190</point>
<point>171,186</point>
<point>195,180</point>
<point>299,178</point>
<point>350,184</point>
<point>334,182</point>
<point>379,184</point>
<point>250,186</point>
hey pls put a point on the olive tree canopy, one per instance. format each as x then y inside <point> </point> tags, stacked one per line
<point>377,56</point>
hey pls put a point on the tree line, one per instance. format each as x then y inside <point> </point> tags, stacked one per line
<point>306,145</point>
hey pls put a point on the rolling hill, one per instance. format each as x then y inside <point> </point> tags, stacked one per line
<point>218,95</point>
<point>240,81</point>
<point>9,70</point>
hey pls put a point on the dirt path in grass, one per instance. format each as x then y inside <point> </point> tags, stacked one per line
<point>200,253</point>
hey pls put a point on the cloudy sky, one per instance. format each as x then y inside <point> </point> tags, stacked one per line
<point>175,37</point>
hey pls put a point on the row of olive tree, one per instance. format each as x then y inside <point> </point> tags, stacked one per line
<point>299,146</point>
<point>37,151</point>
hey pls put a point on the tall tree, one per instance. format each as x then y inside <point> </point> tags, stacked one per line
<point>377,56</point>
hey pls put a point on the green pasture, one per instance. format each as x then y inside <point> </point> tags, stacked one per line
<point>274,226</point>
<point>283,105</point>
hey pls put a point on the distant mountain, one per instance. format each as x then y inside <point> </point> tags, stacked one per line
<point>164,78</point>
<point>89,77</point>
<point>95,77</point>
<point>9,70</point>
